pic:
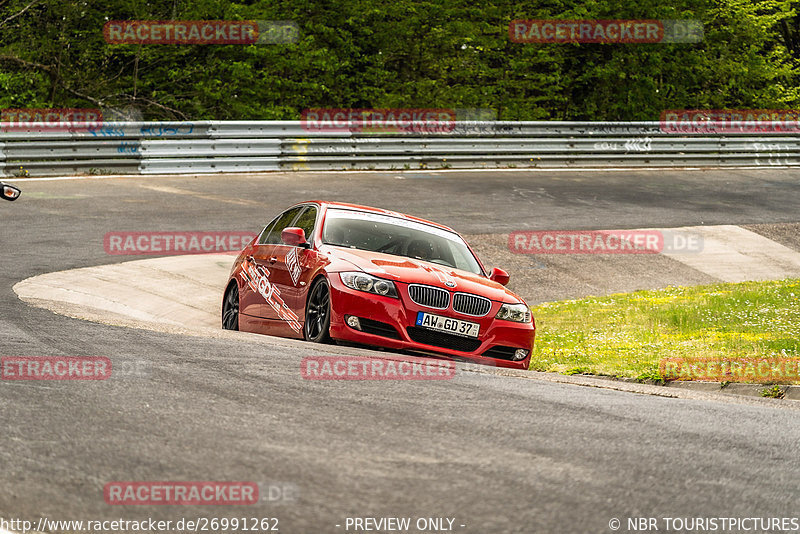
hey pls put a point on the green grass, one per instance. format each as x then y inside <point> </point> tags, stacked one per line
<point>774,392</point>
<point>627,334</point>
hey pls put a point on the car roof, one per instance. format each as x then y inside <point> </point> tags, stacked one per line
<point>369,209</point>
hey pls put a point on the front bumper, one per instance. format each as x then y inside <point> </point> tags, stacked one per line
<point>498,338</point>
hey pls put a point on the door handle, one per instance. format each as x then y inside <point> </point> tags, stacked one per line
<point>273,259</point>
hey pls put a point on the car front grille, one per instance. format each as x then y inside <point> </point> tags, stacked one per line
<point>430,297</point>
<point>440,339</point>
<point>471,304</point>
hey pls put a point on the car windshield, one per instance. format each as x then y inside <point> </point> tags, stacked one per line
<point>400,237</point>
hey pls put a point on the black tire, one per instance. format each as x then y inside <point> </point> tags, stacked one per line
<point>230,308</point>
<point>318,313</point>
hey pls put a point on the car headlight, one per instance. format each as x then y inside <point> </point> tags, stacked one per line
<point>519,313</point>
<point>369,283</point>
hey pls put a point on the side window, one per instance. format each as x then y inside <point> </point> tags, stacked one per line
<point>262,239</point>
<point>285,220</point>
<point>306,221</point>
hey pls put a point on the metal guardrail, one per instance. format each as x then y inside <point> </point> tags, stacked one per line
<point>250,146</point>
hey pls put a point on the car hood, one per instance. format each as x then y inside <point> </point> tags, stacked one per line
<point>413,271</point>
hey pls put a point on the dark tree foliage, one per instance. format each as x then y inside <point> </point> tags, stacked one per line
<point>399,53</point>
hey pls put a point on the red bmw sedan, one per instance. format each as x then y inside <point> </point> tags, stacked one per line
<point>325,271</point>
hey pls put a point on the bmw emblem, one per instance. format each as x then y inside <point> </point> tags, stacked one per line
<point>450,283</point>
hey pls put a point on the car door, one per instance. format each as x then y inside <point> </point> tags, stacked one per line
<point>259,297</point>
<point>290,270</point>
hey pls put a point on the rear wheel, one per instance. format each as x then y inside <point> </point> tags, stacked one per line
<point>318,313</point>
<point>230,308</point>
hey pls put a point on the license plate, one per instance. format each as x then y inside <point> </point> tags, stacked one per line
<point>446,324</point>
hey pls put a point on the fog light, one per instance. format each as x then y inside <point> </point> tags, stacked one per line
<point>520,354</point>
<point>353,322</point>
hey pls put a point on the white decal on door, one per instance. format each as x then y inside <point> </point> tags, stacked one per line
<point>257,277</point>
<point>293,264</point>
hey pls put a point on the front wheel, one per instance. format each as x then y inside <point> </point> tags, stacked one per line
<point>230,308</point>
<point>318,313</point>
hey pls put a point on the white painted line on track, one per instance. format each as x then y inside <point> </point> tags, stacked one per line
<point>403,171</point>
<point>56,178</point>
<point>734,254</point>
<point>549,169</point>
<point>172,290</point>
<point>215,198</point>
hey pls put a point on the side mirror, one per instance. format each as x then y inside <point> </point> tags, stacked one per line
<point>9,192</point>
<point>499,276</point>
<point>294,237</point>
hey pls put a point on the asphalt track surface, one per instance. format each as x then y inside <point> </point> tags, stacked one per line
<point>497,453</point>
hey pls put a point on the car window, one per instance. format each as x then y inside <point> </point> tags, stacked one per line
<point>284,221</point>
<point>306,221</point>
<point>265,233</point>
<point>400,237</point>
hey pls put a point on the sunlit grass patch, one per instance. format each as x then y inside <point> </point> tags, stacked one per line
<point>628,334</point>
